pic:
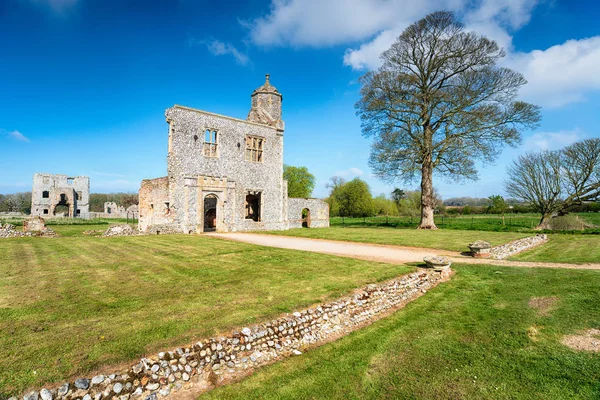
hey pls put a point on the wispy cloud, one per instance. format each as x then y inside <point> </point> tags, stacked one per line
<point>552,140</point>
<point>16,135</point>
<point>349,173</point>
<point>219,48</point>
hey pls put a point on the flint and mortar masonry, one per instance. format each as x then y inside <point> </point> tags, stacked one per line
<point>517,246</point>
<point>212,360</point>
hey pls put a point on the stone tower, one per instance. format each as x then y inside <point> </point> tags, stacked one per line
<point>266,106</point>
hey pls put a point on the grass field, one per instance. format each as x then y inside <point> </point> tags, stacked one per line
<point>444,239</point>
<point>474,337</point>
<point>72,304</point>
<point>479,222</point>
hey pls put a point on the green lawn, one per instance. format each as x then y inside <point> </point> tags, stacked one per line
<point>478,222</point>
<point>445,239</point>
<point>72,304</point>
<point>565,248</point>
<point>471,338</point>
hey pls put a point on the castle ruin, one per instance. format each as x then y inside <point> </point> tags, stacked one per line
<point>226,174</point>
<point>60,196</point>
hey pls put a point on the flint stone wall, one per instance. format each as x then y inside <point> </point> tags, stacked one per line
<point>517,246</point>
<point>75,189</point>
<point>212,360</point>
<point>319,213</point>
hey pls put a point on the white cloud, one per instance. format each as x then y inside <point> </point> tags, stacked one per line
<point>349,173</point>
<point>218,48</point>
<point>552,140</point>
<point>557,76</point>
<point>16,135</point>
<point>561,74</point>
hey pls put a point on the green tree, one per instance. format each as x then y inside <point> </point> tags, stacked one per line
<point>355,199</point>
<point>497,205</point>
<point>397,196</point>
<point>335,184</point>
<point>384,206</point>
<point>300,182</point>
<point>438,103</point>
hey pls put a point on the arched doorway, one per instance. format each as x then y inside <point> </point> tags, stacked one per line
<point>62,207</point>
<point>306,218</point>
<point>210,213</point>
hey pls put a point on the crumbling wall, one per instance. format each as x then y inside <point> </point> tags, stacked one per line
<point>218,359</point>
<point>155,208</point>
<point>317,216</point>
<point>50,190</point>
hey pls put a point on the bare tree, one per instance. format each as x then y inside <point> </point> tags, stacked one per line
<point>554,181</point>
<point>439,103</point>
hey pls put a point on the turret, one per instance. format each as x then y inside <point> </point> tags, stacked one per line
<point>266,106</point>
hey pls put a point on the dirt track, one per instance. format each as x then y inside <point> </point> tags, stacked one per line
<point>376,252</point>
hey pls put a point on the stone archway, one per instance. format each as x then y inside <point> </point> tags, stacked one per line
<point>305,218</point>
<point>210,209</point>
<point>63,206</point>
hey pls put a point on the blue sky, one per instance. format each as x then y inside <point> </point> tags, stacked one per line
<point>84,83</point>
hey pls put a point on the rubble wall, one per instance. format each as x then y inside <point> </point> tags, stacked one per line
<point>318,213</point>
<point>220,358</point>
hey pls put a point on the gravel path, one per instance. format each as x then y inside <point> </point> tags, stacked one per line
<point>377,252</point>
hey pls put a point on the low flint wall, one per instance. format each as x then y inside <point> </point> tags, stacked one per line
<point>210,361</point>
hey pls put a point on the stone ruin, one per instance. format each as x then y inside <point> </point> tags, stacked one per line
<point>226,174</point>
<point>113,210</point>
<point>60,196</point>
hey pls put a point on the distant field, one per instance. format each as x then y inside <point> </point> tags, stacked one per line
<point>444,239</point>
<point>474,337</point>
<point>69,305</point>
<point>484,222</point>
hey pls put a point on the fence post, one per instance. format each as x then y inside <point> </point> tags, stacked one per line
<point>364,221</point>
<point>471,222</point>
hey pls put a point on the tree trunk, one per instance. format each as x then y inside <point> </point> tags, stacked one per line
<point>545,221</point>
<point>427,201</point>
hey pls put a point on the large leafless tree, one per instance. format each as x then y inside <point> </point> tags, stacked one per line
<point>439,103</point>
<point>554,181</point>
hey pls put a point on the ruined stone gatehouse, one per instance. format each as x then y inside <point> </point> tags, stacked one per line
<point>226,174</point>
<point>60,196</point>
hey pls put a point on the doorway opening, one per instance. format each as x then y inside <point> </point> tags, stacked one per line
<point>306,218</point>
<point>210,213</point>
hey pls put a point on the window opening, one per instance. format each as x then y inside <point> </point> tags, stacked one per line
<point>210,143</point>
<point>254,148</point>
<point>45,211</point>
<point>253,209</point>
<point>45,194</point>
<point>70,181</point>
